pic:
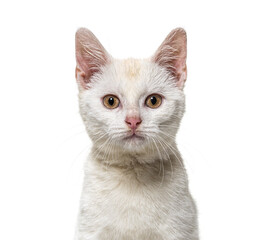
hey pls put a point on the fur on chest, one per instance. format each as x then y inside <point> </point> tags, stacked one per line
<point>132,201</point>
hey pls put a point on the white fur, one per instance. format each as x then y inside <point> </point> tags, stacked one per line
<point>134,189</point>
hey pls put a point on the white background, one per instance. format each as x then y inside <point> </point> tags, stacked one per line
<point>226,132</point>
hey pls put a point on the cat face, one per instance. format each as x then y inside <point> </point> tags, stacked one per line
<point>131,104</point>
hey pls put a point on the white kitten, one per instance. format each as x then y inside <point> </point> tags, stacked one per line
<point>135,185</point>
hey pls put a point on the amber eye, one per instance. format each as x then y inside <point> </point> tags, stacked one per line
<point>153,101</point>
<point>111,101</point>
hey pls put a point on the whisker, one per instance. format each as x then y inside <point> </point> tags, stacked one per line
<point>70,137</point>
<point>168,135</point>
<point>161,161</point>
<point>168,157</point>
<point>107,152</point>
<point>173,150</point>
<point>171,126</point>
<point>99,149</point>
<point>79,154</point>
<point>103,135</point>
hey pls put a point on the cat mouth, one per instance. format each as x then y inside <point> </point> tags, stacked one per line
<point>134,136</point>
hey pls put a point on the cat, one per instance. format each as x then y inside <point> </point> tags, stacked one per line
<point>135,184</point>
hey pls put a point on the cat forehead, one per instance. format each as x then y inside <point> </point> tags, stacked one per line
<point>136,71</point>
<point>128,73</point>
<point>132,68</point>
<point>133,78</point>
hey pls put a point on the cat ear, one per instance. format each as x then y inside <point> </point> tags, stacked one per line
<point>172,55</point>
<point>90,56</point>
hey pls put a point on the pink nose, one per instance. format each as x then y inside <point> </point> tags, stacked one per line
<point>133,122</point>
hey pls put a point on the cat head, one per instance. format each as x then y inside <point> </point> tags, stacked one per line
<point>131,104</point>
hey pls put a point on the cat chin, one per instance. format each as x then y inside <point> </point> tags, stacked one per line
<point>133,138</point>
<point>133,143</point>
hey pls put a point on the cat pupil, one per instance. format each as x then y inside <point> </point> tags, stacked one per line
<point>153,100</point>
<point>111,101</point>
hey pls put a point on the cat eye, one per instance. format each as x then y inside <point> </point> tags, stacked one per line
<point>153,101</point>
<point>111,101</point>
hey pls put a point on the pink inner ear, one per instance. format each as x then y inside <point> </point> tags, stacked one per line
<point>82,72</point>
<point>81,78</point>
<point>81,64</point>
<point>181,71</point>
<point>172,54</point>
<point>90,56</point>
<point>87,66</point>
